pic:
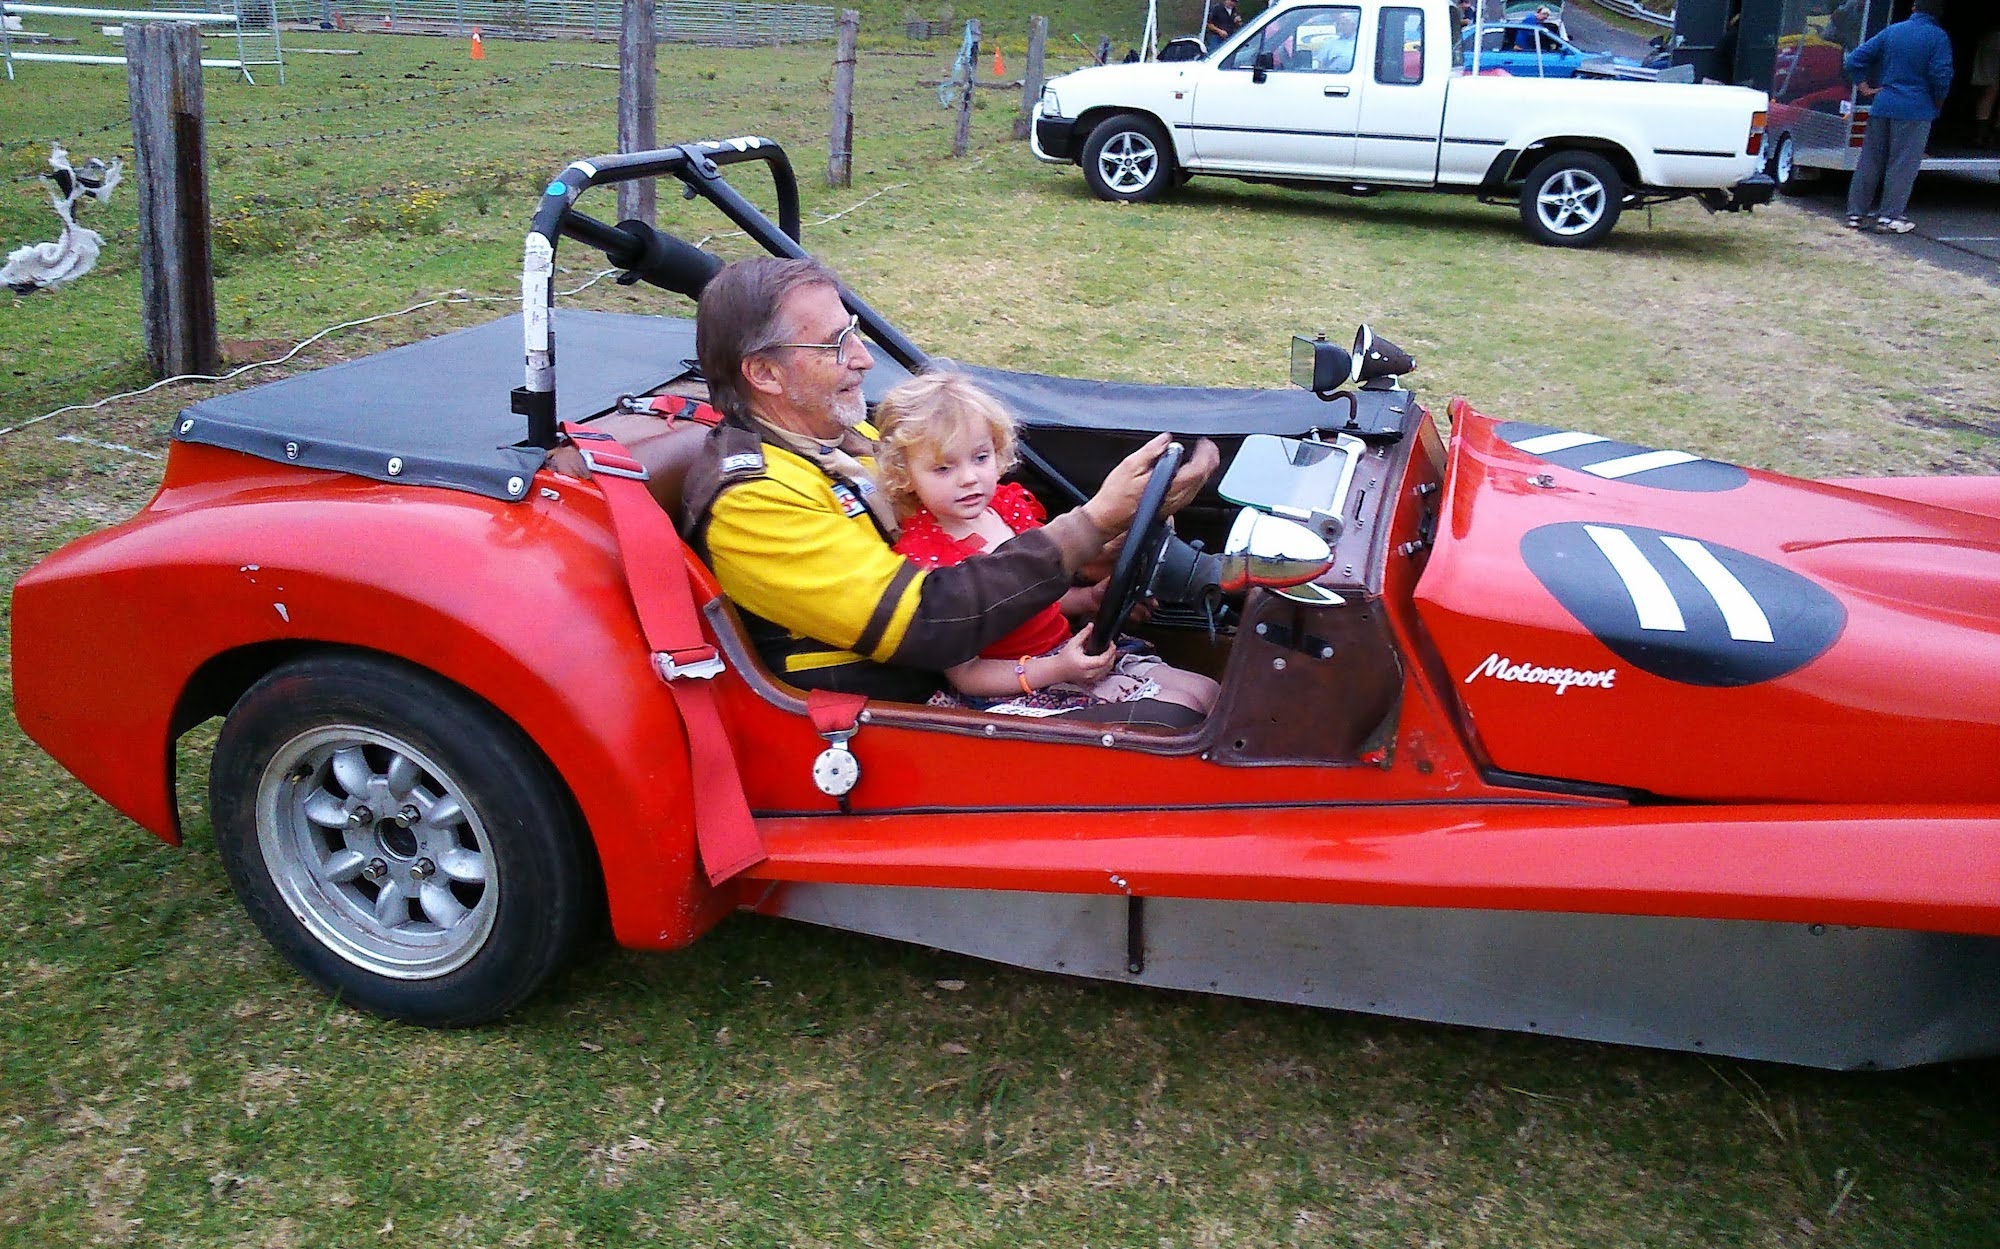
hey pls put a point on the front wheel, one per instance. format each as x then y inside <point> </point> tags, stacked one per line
<point>1128,159</point>
<point>396,839</point>
<point>1572,199</point>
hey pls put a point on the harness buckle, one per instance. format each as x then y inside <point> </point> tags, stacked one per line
<point>609,463</point>
<point>700,665</point>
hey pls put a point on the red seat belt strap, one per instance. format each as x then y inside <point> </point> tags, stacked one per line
<point>834,712</point>
<point>656,574</point>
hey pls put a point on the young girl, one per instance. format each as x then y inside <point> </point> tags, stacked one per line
<point>944,445</point>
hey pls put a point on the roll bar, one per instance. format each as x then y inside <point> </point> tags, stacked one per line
<point>651,256</point>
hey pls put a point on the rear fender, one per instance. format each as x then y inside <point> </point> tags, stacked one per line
<point>238,565</point>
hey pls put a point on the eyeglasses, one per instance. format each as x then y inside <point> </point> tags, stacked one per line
<point>843,345</point>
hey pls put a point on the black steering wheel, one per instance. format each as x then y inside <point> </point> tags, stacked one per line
<point>1132,575</point>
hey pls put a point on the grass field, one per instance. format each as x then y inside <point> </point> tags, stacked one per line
<point>164,1080</point>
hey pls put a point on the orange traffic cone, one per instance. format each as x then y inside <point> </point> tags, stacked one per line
<point>999,66</point>
<point>386,23</point>
<point>478,45</point>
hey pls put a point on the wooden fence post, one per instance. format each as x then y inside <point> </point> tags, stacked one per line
<point>1031,83</point>
<point>176,270</point>
<point>961,139</point>
<point>840,147</point>
<point>637,81</point>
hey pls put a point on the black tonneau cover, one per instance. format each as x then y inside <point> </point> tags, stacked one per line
<point>437,413</point>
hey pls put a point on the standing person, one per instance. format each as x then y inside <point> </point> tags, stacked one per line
<point>1908,67</point>
<point>1986,81</point>
<point>1223,21</point>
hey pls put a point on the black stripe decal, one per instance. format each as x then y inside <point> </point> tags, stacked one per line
<point>885,610</point>
<point>1678,151</point>
<point>1316,134</point>
<point>1477,142</point>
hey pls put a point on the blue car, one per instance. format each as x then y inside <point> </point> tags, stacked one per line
<point>1528,50</point>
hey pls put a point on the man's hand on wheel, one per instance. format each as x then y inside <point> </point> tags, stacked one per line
<point>1111,508</point>
<point>1202,461</point>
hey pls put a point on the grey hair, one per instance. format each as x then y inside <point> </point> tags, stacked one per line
<point>739,316</point>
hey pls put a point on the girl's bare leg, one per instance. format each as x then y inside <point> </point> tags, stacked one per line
<point>1187,689</point>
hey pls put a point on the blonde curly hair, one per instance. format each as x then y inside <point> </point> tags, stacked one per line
<point>931,412</point>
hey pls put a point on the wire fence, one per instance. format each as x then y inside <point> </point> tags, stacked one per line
<point>675,21</point>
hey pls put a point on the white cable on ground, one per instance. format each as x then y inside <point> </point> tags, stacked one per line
<point>449,297</point>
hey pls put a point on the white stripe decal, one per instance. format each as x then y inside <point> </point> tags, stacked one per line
<point>1655,603</point>
<point>1746,620</point>
<point>1627,465</point>
<point>1548,444</point>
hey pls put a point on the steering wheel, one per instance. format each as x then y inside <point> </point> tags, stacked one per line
<point>1132,575</point>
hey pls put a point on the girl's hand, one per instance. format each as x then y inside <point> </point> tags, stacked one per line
<point>1079,668</point>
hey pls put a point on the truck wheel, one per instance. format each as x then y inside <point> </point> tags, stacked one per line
<point>400,842</point>
<point>1128,159</point>
<point>1785,170</point>
<point>1572,199</point>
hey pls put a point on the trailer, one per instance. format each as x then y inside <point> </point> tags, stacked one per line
<point>1793,50</point>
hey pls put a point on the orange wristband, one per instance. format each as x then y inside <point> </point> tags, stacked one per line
<point>1021,674</point>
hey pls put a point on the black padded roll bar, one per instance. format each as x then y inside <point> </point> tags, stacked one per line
<point>652,256</point>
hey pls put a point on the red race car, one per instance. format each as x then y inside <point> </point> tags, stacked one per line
<point>1529,729</point>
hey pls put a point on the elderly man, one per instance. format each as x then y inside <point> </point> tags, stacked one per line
<point>784,506</point>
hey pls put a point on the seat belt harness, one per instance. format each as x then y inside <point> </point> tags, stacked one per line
<point>656,576</point>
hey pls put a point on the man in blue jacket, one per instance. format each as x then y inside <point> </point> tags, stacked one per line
<point>1908,66</point>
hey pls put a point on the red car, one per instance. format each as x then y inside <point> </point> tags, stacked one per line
<point>1525,729</point>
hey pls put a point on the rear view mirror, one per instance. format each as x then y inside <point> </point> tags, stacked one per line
<point>1320,366</point>
<point>1262,66</point>
<point>1265,550</point>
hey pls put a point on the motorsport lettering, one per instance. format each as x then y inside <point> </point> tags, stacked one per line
<point>1501,668</point>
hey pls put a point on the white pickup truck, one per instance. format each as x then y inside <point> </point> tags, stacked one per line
<point>1368,95</point>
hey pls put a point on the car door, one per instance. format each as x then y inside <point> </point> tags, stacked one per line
<point>1402,108</point>
<point>1297,115</point>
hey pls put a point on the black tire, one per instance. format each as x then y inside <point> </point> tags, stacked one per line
<point>448,911</point>
<point>1572,199</point>
<point>1128,159</point>
<point>1784,169</point>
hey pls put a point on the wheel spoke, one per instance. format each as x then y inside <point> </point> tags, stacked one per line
<point>403,773</point>
<point>439,905</point>
<point>392,905</point>
<point>350,768</point>
<point>326,810</point>
<point>444,812</point>
<point>462,865</point>
<point>343,866</point>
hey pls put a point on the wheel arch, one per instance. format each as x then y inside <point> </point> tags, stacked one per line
<point>543,631</point>
<point>1088,121</point>
<point>1513,166</point>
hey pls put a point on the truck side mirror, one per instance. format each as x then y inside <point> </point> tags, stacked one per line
<point>1261,68</point>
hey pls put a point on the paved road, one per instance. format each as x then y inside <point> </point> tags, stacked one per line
<point>1588,30</point>
<point>1957,216</point>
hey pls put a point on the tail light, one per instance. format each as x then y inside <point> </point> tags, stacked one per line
<point>1756,142</point>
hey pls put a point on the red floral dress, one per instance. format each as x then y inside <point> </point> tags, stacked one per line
<point>925,543</point>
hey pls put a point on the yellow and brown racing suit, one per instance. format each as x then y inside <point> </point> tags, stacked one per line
<point>828,603</point>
